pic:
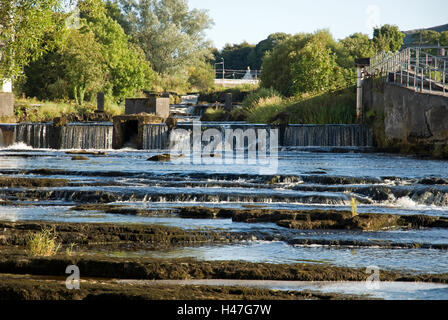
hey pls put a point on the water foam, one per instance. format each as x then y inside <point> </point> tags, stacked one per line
<point>18,146</point>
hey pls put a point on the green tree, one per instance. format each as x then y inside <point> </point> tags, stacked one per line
<point>426,37</point>
<point>276,70</point>
<point>315,70</point>
<point>171,35</point>
<point>124,68</point>
<point>281,67</point>
<point>255,58</point>
<point>125,63</point>
<point>23,25</point>
<point>45,78</point>
<point>114,11</point>
<point>358,45</point>
<point>83,63</point>
<point>236,55</point>
<point>201,76</point>
<point>444,38</point>
<point>388,38</point>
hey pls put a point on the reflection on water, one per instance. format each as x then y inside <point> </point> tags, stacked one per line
<point>385,290</point>
<point>307,179</point>
<point>414,260</point>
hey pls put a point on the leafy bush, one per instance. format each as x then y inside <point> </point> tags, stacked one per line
<point>201,77</point>
<point>217,94</point>
<point>260,97</point>
<point>43,244</point>
<point>214,114</point>
<point>328,108</point>
<point>33,110</point>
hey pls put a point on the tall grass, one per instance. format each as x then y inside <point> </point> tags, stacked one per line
<point>33,110</point>
<point>239,93</point>
<point>262,97</point>
<point>354,205</point>
<point>328,108</point>
<point>43,244</point>
<point>214,114</point>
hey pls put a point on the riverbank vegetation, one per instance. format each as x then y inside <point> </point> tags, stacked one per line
<point>267,106</point>
<point>68,53</point>
<point>308,78</point>
<point>34,110</point>
<point>125,48</point>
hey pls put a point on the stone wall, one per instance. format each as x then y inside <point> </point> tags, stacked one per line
<point>402,117</point>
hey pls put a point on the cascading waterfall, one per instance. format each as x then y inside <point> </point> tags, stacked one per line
<point>158,136</point>
<point>155,137</point>
<point>295,135</point>
<point>328,136</point>
<point>35,135</point>
<point>86,136</point>
<point>184,131</point>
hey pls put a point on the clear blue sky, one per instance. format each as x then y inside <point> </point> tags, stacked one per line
<point>253,20</point>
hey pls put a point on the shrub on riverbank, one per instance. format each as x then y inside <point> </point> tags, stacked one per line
<point>43,244</point>
<point>328,108</point>
<point>267,105</point>
<point>214,114</point>
<point>216,94</point>
<point>33,110</point>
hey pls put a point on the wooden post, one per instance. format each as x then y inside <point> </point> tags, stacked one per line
<point>228,102</point>
<point>100,102</point>
<point>361,64</point>
<point>359,114</point>
<point>417,66</point>
<point>444,77</point>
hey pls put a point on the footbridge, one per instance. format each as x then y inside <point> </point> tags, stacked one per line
<point>423,69</point>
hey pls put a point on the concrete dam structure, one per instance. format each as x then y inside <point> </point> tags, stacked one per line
<point>157,136</point>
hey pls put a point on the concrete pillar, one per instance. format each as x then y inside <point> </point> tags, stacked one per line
<point>6,104</point>
<point>228,102</point>
<point>359,108</point>
<point>100,101</point>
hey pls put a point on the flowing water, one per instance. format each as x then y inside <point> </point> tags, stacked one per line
<point>305,179</point>
<point>86,136</point>
<point>157,136</point>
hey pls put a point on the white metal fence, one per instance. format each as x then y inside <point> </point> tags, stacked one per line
<point>234,82</point>
<point>422,68</point>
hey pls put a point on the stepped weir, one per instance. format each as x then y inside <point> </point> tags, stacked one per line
<point>157,136</point>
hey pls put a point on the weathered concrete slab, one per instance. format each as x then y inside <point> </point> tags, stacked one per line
<point>7,136</point>
<point>153,105</point>
<point>130,129</point>
<point>405,117</point>
<point>6,104</point>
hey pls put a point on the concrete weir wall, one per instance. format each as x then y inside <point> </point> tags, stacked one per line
<point>149,132</point>
<point>153,105</point>
<point>404,118</point>
<point>6,104</point>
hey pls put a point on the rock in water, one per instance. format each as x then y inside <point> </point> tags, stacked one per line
<point>164,157</point>
<point>160,158</point>
<point>80,158</point>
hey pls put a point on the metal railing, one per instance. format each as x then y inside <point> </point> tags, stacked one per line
<point>237,74</point>
<point>422,68</point>
<point>235,82</point>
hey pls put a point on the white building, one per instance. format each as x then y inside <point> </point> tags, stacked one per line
<point>6,86</point>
